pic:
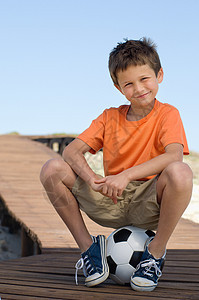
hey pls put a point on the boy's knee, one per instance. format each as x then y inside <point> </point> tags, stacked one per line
<point>180,174</point>
<point>50,168</point>
<point>56,170</point>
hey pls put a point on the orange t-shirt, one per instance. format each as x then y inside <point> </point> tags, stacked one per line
<point>129,143</point>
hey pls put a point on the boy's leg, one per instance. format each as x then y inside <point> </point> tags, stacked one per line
<point>58,179</point>
<point>174,189</point>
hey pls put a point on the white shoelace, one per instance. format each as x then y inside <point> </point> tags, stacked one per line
<point>79,265</point>
<point>148,264</point>
<point>83,263</point>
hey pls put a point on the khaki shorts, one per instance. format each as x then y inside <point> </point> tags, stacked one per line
<point>137,206</point>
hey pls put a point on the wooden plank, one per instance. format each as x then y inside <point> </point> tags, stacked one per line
<point>24,288</point>
<point>68,280</point>
<point>67,268</point>
<point>84,293</point>
<point>21,297</point>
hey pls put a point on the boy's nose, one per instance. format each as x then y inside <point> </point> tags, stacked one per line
<point>138,89</point>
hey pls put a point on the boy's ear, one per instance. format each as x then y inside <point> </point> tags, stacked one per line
<point>160,75</point>
<point>118,87</point>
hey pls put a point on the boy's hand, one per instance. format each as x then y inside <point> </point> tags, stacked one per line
<point>95,186</point>
<point>112,186</point>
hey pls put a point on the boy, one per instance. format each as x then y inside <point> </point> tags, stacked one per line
<point>146,184</point>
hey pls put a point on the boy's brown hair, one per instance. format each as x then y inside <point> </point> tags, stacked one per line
<point>133,52</point>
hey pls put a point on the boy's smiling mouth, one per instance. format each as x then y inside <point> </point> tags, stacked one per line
<point>143,95</point>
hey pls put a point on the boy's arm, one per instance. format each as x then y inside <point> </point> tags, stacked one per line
<point>73,154</point>
<point>115,184</point>
<point>173,152</point>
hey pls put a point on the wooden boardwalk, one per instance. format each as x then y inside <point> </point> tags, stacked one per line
<point>51,274</point>
<point>23,195</point>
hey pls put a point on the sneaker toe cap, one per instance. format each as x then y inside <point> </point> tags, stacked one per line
<point>142,282</point>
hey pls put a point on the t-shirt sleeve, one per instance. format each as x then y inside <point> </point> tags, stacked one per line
<point>94,134</point>
<point>172,130</point>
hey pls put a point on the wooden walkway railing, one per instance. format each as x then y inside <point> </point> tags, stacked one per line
<point>58,142</point>
<point>51,274</point>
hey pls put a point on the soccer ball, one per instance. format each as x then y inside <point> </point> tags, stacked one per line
<point>124,251</point>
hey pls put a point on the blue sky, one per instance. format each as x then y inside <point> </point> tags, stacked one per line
<point>54,54</point>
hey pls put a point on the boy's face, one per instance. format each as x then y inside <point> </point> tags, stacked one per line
<point>139,85</point>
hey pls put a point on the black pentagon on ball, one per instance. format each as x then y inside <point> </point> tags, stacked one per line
<point>135,258</point>
<point>122,235</point>
<point>150,233</point>
<point>112,265</point>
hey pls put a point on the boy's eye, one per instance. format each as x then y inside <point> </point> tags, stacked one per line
<point>144,78</point>
<point>128,84</point>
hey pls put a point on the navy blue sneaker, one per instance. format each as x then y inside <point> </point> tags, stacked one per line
<point>94,262</point>
<point>148,272</point>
